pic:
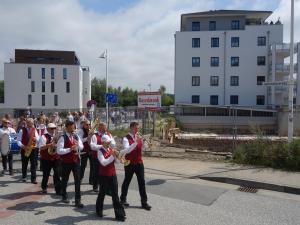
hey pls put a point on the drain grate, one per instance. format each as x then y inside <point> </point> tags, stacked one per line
<point>247,189</point>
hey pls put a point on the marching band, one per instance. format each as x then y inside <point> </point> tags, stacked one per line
<point>69,152</point>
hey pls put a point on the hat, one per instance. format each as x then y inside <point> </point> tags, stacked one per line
<point>51,125</point>
<point>106,138</point>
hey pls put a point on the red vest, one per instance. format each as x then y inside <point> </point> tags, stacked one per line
<point>44,153</point>
<point>26,135</point>
<point>110,169</point>
<point>86,146</point>
<point>135,156</point>
<point>41,131</point>
<point>99,142</point>
<point>70,157</point>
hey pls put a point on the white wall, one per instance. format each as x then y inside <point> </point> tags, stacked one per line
<point>247,70</point>
<point>86,87</point>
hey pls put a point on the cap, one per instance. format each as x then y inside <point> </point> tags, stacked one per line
<point>51,125</point>
<point>106,138</point>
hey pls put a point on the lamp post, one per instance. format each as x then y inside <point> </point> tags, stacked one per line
<point>291,83</point>
<point>105,56</point>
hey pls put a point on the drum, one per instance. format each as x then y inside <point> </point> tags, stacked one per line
<point>13,144</point>
<point>5,144</point>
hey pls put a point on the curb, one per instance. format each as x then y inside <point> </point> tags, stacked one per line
<point>253,184</point>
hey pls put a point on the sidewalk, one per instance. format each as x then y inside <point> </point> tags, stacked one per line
<point>256,177</point>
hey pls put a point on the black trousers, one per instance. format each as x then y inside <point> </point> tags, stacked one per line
<point>84,159</point>
<point>138,170</point>
<point>109,184</point>
<point>7,159</point>
<point>47,166</point>
<point>95,169</point>
<point>65,173</point>
<point>33,163</point>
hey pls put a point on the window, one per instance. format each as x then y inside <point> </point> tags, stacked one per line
<point>214,81</point>
<point>52,73</point>
<point>52,86</point>
<point>65,74</point>
<point>29,100</point>
<point>43,100</point>
<point>212,25</point>
<point>235,61</point>
<point>196,42</point>
<point>235,42</point>
<point>196,62</point>
<point>43,73</point>
<point>195,26</point>
<point>261,41</point>
<point>32,86</point>
<point>234,99</point>
<point>195,80</point>
<point>214,42</point>
<point>260,99</point>
<point>43,86</point>
<point>214,99</point>
<point>214,61</point>
<point>235,24</point>
<point>260,80</point>
<point>55,100</point>
<point>68,87</point>
<point>234,81</point>
<point>195,99</point>
<point>29,72</point>
<point>261,60</point>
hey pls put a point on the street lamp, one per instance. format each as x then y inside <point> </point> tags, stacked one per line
<point>105,56</point>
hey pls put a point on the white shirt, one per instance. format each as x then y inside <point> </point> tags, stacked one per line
<point>8,131</point>
<point>80,134</point>
<point>128,148</point>
<point>61,142</point>
<point>95,146</point>
<point>102,160</point>
<point>43,140</point>
<point>20,134</point>
<point>41,127</point>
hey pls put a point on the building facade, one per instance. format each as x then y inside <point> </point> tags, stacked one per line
<point>44,79</point>
<point>227,57</point>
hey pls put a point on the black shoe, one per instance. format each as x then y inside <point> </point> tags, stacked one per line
<point>44,191</point>
<point>34,182</point>
<point>124,203</point>
<point>95,189</point>
<point>78,204</point>
<point>65,200</point>
<point>24,179</point>
<point>99,214</point>
<point>146,206</point>
<point>121,218</point>
<point>58,192</point>
<point>11,173</point>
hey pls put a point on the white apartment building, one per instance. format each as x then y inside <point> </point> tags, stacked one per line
<point>224,57</point>
<point>43,79</point>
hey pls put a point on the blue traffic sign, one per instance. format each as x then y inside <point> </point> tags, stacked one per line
<point>111,98</point>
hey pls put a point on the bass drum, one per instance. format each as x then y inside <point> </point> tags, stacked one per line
<point>5,141</point>
<point>13,144</point>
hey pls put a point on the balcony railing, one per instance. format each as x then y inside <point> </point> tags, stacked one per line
<point>284,68</point>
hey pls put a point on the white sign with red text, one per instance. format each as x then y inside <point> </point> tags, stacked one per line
<point>149,100</point>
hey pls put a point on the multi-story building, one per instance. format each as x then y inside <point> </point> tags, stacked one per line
<point>43,79</point>
<point>226,57</point>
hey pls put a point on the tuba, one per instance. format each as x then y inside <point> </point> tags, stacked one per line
<point>31,143</point>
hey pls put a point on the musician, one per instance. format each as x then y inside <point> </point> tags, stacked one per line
<point>69,146</point>
<point>83,133</point>
<point>96,144</point>
<point>108,179</point>
<point>25,136</point>
<point>49,161</point>
<point>8,130</point>
<point>132,145</point>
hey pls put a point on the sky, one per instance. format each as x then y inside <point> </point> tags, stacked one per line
<point>138,34</point>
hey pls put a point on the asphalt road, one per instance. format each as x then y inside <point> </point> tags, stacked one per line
<point>175,200</point>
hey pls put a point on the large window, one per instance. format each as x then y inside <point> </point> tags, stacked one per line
<point>65,73</point>
<point>234,99</point>
<point>235,42</point>
<point>195,26</point>
<point>196,42</point>
<point>214,42</point>
<point>235,61</point>
<point>29,72</point>
<point>32,86</point>
<point>43,73</point>
<point>260,100</point>
<point>56,100</point>
<point>260,80</point>
<point>29,100</point>
<point>212,25</point>
<point>52,86</point>
<point>214,81</point>
<point>261,60</point>
<point>43,100</point>
<point>195,80</point>
<point>52,73</point>
<point>214,61</point>
<point>196,62</point>
<point>68,87</point>
<point>234,81</point>
<point>214,99</point>
<point>235,24</point>
<point>261,41</point>
<point>195,99</point>
<point>43,86</point>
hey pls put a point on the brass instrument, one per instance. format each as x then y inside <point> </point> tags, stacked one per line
<point>52,150</point>
<point>148,141</point>
<point>93,129</point>
<point>122,160</point>
<point>31,144</point>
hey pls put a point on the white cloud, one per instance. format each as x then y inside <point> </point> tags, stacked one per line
<point>139,39</point>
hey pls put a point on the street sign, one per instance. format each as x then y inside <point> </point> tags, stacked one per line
<point>149,100</point>
<point>111,98</point>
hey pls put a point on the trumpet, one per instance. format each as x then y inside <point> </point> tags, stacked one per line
<point>140,136</point>
<point>123,160</point>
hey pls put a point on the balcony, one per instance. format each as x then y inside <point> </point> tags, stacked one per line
<point>284,68</point>
<point>283,49</point>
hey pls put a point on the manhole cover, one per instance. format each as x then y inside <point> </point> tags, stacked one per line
<point>156,182</point>
<point>247,189</point>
